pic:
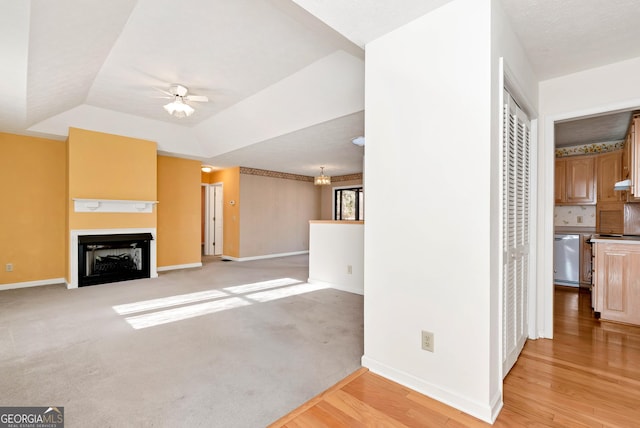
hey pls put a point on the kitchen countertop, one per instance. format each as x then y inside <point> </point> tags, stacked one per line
<point>573,229</point>
<point>627,239</point>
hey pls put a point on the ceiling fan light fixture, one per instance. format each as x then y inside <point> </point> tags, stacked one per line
<point>179,108</point>
<point>322,180</point>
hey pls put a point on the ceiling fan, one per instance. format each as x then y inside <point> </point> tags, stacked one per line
<point>179,94</point>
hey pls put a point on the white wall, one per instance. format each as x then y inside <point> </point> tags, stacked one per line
<point>598,90</point>
<point>333,247</point>
<point>427,262</point>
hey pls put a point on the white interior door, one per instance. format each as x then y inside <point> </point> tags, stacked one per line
<point>215,228</point>
<point>516,216</point>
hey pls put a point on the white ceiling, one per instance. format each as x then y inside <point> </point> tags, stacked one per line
<point>285,77</point>
<point>566,36</point>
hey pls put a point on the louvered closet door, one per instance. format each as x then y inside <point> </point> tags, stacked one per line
<point>515,216</point>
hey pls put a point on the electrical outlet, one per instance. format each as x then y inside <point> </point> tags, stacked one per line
<point>579,218</point>
<point>9,267</point>
<point>349,269</point>
<point>427,341</point>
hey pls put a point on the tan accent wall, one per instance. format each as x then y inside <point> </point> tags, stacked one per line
<point>275,215</point>
<point>179,211</point>
<point>326,196</point>
<point>33,209</point>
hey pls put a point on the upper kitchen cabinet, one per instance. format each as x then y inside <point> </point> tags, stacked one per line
<point>608,173</point>
<point>631,162</point>
<point>560,181</point>
<point>575,180</point>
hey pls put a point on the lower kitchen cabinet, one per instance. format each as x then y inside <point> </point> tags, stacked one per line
<point>617,281</point>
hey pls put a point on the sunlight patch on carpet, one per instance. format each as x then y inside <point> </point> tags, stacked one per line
<point>219,300</point>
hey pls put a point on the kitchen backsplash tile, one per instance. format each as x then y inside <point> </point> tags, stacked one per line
<point>568,215</point>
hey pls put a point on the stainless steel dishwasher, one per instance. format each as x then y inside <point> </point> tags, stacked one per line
<point>566,260</point>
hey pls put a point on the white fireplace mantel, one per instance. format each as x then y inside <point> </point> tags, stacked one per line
<point>112,206</point>
<point>73,249</point>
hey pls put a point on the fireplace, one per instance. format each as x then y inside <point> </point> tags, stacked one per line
<point>113,257</point>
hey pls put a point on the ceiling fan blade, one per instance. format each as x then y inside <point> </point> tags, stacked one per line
<point>168,94</point>
<point>197,98</point>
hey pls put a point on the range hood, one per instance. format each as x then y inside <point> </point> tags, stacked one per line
<point>622,185</point>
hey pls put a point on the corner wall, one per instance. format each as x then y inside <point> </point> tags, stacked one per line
<point>33,211</point>
<point>420,271</point>
<point>107,166</point>
<point>179,212</point>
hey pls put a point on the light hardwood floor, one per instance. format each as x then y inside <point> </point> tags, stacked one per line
<point>588,376</point>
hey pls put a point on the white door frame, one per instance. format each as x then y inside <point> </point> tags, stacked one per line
<point>547,205</point>
<point>210,226</point>
<point>509,81</point>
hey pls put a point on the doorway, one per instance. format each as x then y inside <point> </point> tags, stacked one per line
<point>213,224</point>
<point>571,136</point>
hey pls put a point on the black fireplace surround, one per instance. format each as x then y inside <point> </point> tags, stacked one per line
<point>112,258</point>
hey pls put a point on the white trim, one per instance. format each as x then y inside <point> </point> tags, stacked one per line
<point>532,285</point>
<point>496,405</point>
<point>73,249</point>
<point>27,284</point>
<point>112,206</point>
<point>176,267</point>
<point>207,215</point>
<point>266,256</point>
<point>353,290</point>
<point>481,411</point>
<point>512,84</point>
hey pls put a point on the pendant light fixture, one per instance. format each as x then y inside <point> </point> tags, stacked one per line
<point>322,180</point>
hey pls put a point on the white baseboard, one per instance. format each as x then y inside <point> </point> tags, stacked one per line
<point>347,288</point>
<point>496,405</point>
<point>175,267</point>
<point>27,284</point>
<point>266,256</point>
<point>486,412</point>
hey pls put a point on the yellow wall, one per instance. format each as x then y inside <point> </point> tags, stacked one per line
<point>230,179</point>
<point>179,215</point>
<point>33,209</point>
<point>106,166</point>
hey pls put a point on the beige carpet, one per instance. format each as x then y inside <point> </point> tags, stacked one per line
<point>233,344</point>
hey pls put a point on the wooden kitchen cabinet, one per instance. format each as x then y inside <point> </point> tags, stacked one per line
<point>632,145</point>
<point>560,181</point>
<point>617,281</point>
<point>608,173</point>
<point>626,156</point>
<point>610,218</point>
<point>575,181</point>
<point>585,259</point>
